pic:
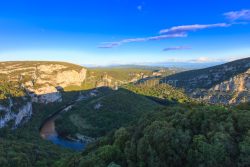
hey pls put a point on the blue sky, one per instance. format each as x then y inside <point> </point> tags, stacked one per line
<point>124,31</point>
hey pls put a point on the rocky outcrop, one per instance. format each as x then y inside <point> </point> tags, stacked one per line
<point>71,77</point>
<point>46,94</point>
<point>233,91</point>
<point>208,77</point>
<point>24,112</point>
<point>223,84</point>
<point>42,82</point>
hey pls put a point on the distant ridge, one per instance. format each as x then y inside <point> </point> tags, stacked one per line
<point>228,83</point>
<point>180,65</point>
<point>207,77</point>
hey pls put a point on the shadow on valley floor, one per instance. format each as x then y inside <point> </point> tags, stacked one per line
<point>100,112</point>
<point>89,112</point>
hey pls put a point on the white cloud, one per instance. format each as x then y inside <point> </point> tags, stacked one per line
<point>177,48</point>
<point>193,27</point>
<point>129,40</point>
<point>238,15</point>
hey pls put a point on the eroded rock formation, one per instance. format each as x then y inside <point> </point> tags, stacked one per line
<point>42,82</point>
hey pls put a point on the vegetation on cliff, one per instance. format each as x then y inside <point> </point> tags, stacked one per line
<point>104,112</point>
<point>23,146</point>
<point>162,93</point>
<point>208,77</point>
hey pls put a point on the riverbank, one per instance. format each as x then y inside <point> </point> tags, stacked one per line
<point>48,129</point>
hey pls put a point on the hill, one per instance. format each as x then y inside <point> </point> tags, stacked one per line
<point>227,83</point>
<point>105,111</point>
<point>120,75</point>
<point>161,93</point>
<point>29,93</point>
<point>143,122</point>
<point>25,83</point>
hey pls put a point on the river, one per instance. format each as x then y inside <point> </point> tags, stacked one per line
<point>48,132</point>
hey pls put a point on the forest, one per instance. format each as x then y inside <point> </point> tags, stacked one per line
<point>184,135</point>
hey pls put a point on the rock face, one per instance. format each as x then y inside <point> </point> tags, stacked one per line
<point>48,94</point>
<point>76,78</point>
<point>42,82</point>
<point>233,91</point>
<point>224,84</point>
<point>24,112</point>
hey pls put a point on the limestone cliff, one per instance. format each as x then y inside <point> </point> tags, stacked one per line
<point>23,112</point>
<point>43,80</point>
<point>34,82</point>
<point>232,91</point>
<point>224,84</point>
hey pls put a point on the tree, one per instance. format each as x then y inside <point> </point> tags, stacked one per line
<point>244,146</point>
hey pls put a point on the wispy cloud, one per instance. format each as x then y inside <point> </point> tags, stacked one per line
<point>124,41</point>
<point>182,31</point>
<point>194,27</point>
<point>203,60</point>
<point>109,45</point>
<point>215,59</point>
<point>177,48</point>
<point>238,15</point>
<point>195,60</point>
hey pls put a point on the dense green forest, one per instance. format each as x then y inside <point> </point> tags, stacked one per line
<point>101,114</point>
<point>183,135</point>
<point>179,132</point>
<point>133,128</point>
<point>23,146</point>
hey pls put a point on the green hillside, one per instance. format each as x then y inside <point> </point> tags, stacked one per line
<point>122,74</point>
<point>163,93</point>
<point>23,147</point>
<point>195,135</point>
<point>208,77</point>
<point>101,114</point>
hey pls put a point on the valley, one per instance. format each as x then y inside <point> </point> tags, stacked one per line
<point>120,116</point>
<point>48,132</point>
<point>124,83</point>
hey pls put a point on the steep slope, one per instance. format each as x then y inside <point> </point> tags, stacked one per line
<point>227,84</point>
<point>162,93</point>
<point>24,83</point>
<point>103,112</point>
